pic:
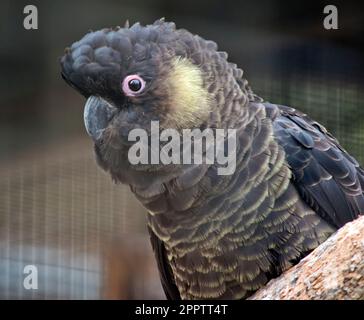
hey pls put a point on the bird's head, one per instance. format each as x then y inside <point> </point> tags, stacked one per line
<point>134,75</point>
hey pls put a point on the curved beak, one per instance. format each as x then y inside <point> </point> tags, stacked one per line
<point>97,115</point>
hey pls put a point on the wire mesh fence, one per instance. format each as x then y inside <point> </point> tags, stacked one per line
<point>59,212</point>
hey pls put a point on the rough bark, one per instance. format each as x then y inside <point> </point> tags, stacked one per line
<point>334,270</point>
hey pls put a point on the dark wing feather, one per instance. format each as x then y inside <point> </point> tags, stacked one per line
<point>327,177</point>
<point>165,272</point>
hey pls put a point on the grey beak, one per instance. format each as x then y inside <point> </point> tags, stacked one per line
<point>97,115</point>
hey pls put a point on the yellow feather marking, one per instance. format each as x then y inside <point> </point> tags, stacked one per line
<point>189,100</point>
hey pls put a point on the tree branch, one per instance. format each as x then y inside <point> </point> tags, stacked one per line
<point>334,270</point>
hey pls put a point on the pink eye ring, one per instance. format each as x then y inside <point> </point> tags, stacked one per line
<point>133,85</point>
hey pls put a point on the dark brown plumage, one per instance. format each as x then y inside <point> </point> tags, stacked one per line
<point>214,236</point>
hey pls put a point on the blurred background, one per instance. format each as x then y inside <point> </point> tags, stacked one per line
<point>58,210</point>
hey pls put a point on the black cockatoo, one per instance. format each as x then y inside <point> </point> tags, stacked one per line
<point>214,236</point>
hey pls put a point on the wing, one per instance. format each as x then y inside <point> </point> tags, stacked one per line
<point>165,272</point>
<point>326,176</point>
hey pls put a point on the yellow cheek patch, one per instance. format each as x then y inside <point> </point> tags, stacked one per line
<point>189,100</point>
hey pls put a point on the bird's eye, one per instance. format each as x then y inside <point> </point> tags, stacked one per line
<point>133,85</point>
